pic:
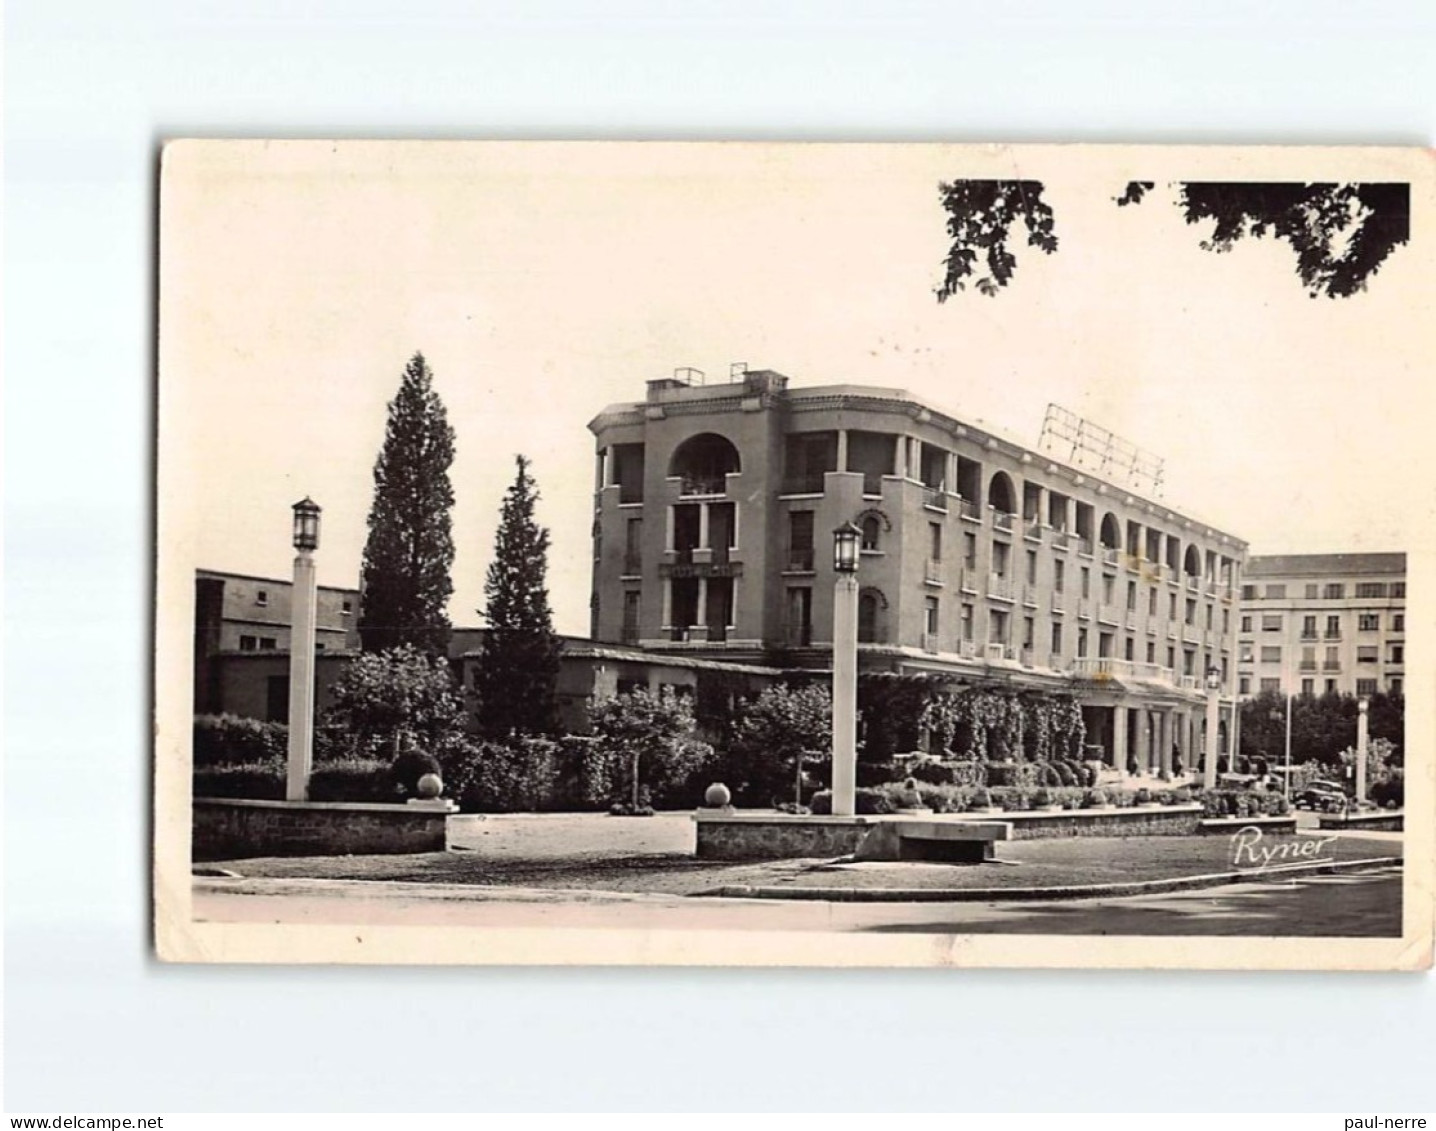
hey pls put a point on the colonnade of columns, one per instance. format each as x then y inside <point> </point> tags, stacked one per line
<point>1156,737</point>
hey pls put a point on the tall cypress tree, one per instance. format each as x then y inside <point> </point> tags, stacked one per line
<point>519,673</point>
<point>410,551</point>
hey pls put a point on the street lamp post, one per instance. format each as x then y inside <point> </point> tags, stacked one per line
<point>846,539</point>
<point>1209,765</point>
<point>1363,705</point>
<point>301,651</point>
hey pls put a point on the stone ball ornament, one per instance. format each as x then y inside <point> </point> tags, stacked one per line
<point>429,786</point>
<point>717,796</point>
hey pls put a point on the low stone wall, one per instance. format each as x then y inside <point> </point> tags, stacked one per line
<point>232,829</point>
<point>1386,821</point>
<point>770,836</point>
<point>1226,826</point>
<point>1161,820</point>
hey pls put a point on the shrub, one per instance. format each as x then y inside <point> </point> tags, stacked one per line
<point>1020,774</point>
<point>1144,796</point>
<point>1041,798</point>
<point>408,767</point>
<point>868,802</point>
<point>980,799</point>
<point>1391,793</point>
<point>1094,799</point>
<point>1275,805</point>
<point>228,740</point>
<point>629,809</point>
<point>261,781</point>
<point>1067,774</point>
<point>877,773</point>
<point>651,737</point>
<point>950,773</point>
<point>1013,798</point>
<point>1048,775</point>
<point>1164,796</point>
<point>383,695</point>
<point>353,779</point>
<point>520,775</point>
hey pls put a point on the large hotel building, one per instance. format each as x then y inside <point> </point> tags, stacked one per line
<point>1314,623</point>
<point>982,560</point>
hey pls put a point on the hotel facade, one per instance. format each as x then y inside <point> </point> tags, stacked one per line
<point>982,560</point>
<point>1317,623</point>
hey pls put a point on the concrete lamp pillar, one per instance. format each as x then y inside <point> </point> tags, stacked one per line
<point>1209,760</point>
<point>846,541</point>
<point>1362,707</point>
<point>301,652</point>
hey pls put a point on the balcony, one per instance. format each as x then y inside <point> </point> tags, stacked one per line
<point>968,583</point>
<point>1191,634</point>
<point>1134,563</point>
<point>632,565</point>
<point>1171,630</point>
<point>932,572</point>
<point>1129,620</point>
<point>1032,529</point>
<point>999,587</point>
<point>1111,555</point>
<point>1084,546</point>
<point>1330,635</point>
<point>1061,539</point>
<point>934,498</point>
<point>1331,665</point>
<point>1107,614</point>
<point>1029,597</point>
<point>800,561</point>
<point>930,642</point>
<point>1190,683</point>
<point>967,649</point>
<point>1312,635</point>
<point>968,509</point>
<point>809,484</point>
<point>691,485</point>
<point>1110,667</point>
<point>1057,602</point>
<point>1001,520</point>
<point>1084,608</point>
<point>1194,583</point>
<point>995,651</point>
<point>1307,665</point>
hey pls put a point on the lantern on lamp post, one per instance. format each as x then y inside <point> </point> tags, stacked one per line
<point>847,540</point>
<point>301,651</point>
<point>1214,688</point>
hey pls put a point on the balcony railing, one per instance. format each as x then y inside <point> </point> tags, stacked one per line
<point>995,651</point>
<point>930,642</point>
<point>1061,539</point>
<point>1058,602</point>
<point>932,571</point>
<point>632,564</point>
<point>703,485</point>
<point>800,561</point>
<point>968,509</point>
<point>1129,669</point>
<point>935,498</point>
<point>1312,635</point>
<point>1107,614</point>
<point>1084,546</point>
<point>968,581</point>
<point>1329,635</point>
<point>678,633</point>
<point>1111,555</point>
<point>1032,529</point>
<point>1001,520</point>
<point>1331,665</point>
<point>967,649</point>
<point>1129,619</point>
<point>1307,665</point>
<point>807,484</point>
<point>1194,583</point>
<point>999,586</point>
<point>1084,608</point>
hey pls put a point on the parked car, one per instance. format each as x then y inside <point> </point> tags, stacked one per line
<point>1321,797</point>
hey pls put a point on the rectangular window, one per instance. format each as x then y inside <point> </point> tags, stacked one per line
<point>1171,656</point>
<point>1334,591</point>
<point>1333,657</point>
<point>261,598</point>
<point>997,627</point>
<point>1108,585</point>
<point>1031,567</point>
<point>1151,652</point>
<point>966,626</point>
<point>930,614</point>
<point>1209,618</point>
<point>346,608</point>
<point>1308,628</point>
<point>1270,655</point>
<point>800,616</point>
<point>1368,622</point>
<point>1371,589</point>
<point>1368,654</point>
<point>1000,554</point>
<point>1244,685</point>
<point>934,530</point>
<point>1312,590</point>
<point>248,643</point>
<point>800,540</point>
<point>1086,582</point>
<point>1171,606</point>
<point>269,644</point>
<point>1245,652</point>
<point>1398,622</point>
<point>1395,684</point>
<point>1275,592</point>
<point>1271,624</point>
<point>1398,654</point>
<point>1248,592</point>
<point>1191,612</point>
<point>1029,632</point>
<point>1330,686</point>
<point>1333,628</point>
<point>1104,645</point>
<point>1366,687</point>
<point>1132,596</point>
<point>1057,640</point>
<point>1398,589</point>
<point>1308,687</point>
<point>1082,642</point>
<point>1152,601</point>
<point>969,550</point>
<point>1059,575</point>
<point>1246,625</point>
<point>1130,649</point>
<point>633,546</point>
<point>631,609</point>
<point>1226,621</point>
<point>1272,684</point>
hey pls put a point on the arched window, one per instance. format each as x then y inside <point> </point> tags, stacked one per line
<point>871,604</point>
<point>1000,494</point>
<point>872,527</point>
<point>702,462</point>
<point>1111,535</point>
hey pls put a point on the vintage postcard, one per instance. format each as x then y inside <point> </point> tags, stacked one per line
<point>795,554</point>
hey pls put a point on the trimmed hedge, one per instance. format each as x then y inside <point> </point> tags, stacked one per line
<point>1243,803</point>
<point>351,779</point>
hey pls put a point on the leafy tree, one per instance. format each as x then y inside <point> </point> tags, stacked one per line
<point>1341,233</point>
<point>653,735</point>
<point>384,696</point>
<point>980,215</point>
<point>410,550</point>
<point>777,732</point>
<point>518,674</point>
<point>1321,726</point>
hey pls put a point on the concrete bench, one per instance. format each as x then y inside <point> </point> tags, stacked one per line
<point>917,838</point>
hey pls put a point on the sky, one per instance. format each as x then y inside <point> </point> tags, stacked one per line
<point>545,281</point>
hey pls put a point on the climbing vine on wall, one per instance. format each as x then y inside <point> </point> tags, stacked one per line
<point>999,726</point>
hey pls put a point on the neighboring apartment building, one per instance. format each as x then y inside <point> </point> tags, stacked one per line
<point>1313,623</point>
<point>243,620</point>
<point>981,559</point>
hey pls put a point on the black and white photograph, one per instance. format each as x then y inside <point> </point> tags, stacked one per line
<point>634,553</point>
